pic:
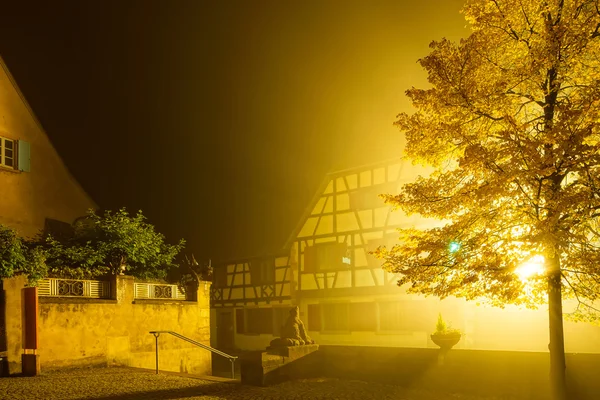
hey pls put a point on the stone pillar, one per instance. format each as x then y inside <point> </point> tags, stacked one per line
<point>124,289</point>
<point>30,361</point>
<point>203,295</point>
<point>13,307</point>
<point>203,299</point>
<point>30,364</point>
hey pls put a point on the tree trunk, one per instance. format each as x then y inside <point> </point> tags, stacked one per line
<point>557,340</point>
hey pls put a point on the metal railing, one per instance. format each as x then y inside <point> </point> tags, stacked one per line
<point>211,349</point>
<point>157,291</point>
<point>74,288</point>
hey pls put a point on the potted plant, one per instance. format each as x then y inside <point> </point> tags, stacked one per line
<point>444,336</point>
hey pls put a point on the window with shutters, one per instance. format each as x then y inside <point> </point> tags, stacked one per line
<point>363,317</point>
<point>325,257</point>
<point>240,326</point>
<point>391,316</point>
<point>405,316</point>
<point>259,320</point>
<point>368,197</point>
<point>280,316</point>
<point>7,153</point>
<point>220,276</point>
<point>14,154</point>
<point>262,271</point>
<point>59,230</point>
<point>335,317</point>
<point>314,317</point>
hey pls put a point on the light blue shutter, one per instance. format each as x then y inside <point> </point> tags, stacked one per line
<point>24,159</point>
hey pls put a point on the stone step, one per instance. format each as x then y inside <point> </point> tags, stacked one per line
<point>211,378</point>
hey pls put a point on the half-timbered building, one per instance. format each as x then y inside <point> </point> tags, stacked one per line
<point>344,295</point>
<point>250,299</point>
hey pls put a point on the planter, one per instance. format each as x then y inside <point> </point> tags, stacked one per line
<point>446,341</point>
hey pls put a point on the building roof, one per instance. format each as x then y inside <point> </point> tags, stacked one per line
<point>12,80</point>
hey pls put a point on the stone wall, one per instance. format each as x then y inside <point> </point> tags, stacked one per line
<point>263,368</point>
<point>85,332</point>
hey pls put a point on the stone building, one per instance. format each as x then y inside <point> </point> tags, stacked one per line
<point>37,190</point>
<point>80,323</point>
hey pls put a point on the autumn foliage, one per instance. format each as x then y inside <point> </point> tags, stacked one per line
<point>510,125</point>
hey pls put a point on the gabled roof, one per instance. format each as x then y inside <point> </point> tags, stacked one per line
<point>323,186</point>
<point>11,79</point>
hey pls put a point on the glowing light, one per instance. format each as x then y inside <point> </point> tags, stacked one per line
<point>453,247</point>
<point>346,260</point>
<point>532,267</point>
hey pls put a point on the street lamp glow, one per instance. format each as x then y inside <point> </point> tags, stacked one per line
<point>532,267</point>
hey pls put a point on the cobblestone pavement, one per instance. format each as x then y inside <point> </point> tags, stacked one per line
<point>130,384</point>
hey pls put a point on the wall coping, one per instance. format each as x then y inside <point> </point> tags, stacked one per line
<point>74,300</point>
<point>165,302</point>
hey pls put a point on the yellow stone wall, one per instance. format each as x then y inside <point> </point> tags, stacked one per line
<point>78,332</point>
<point>49,190</point>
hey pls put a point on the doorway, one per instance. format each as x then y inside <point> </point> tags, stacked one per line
<point>225,332</point>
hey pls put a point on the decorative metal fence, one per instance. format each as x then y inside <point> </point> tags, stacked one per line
<point>74,288</point>
<point>158,291</point>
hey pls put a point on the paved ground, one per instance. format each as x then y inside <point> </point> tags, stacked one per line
<point>130,384</point>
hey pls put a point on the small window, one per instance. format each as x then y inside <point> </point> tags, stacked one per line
<point>239,321</point>
<point>314,317</point>
<point>259,320</point>
<point>405,316</point>
<point>391,317</point>
<point>15,154</point>
<point>220,276</point>
<point>368,197</point>
<point>59,230</point>
<point>262,271</point>
<point>7,152</point>
<point>280,316</point>
<point>363,317</point>
<point>326,257</point>
<point>335,317</point>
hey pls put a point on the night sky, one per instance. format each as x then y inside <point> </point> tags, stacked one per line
<point>219,119</point>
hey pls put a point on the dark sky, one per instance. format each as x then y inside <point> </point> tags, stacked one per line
<point>219,119</point>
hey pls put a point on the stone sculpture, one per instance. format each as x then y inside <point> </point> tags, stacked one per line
<point>293,332</point>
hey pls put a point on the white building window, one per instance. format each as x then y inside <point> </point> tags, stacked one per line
<point>7,152</point>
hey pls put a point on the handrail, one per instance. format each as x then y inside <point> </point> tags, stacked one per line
<point>187,339</point>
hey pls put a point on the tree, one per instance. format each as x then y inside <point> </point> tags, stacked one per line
<point>190,273</point>
<point>16,257</point>
<point>510,126</point>
<point>113,243</point>
<point>12,252</point>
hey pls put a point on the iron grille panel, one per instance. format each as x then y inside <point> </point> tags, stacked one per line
<point>163,292</point>
<point>52,287</point>
<point>158,291</point>
<point>44,288</point>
